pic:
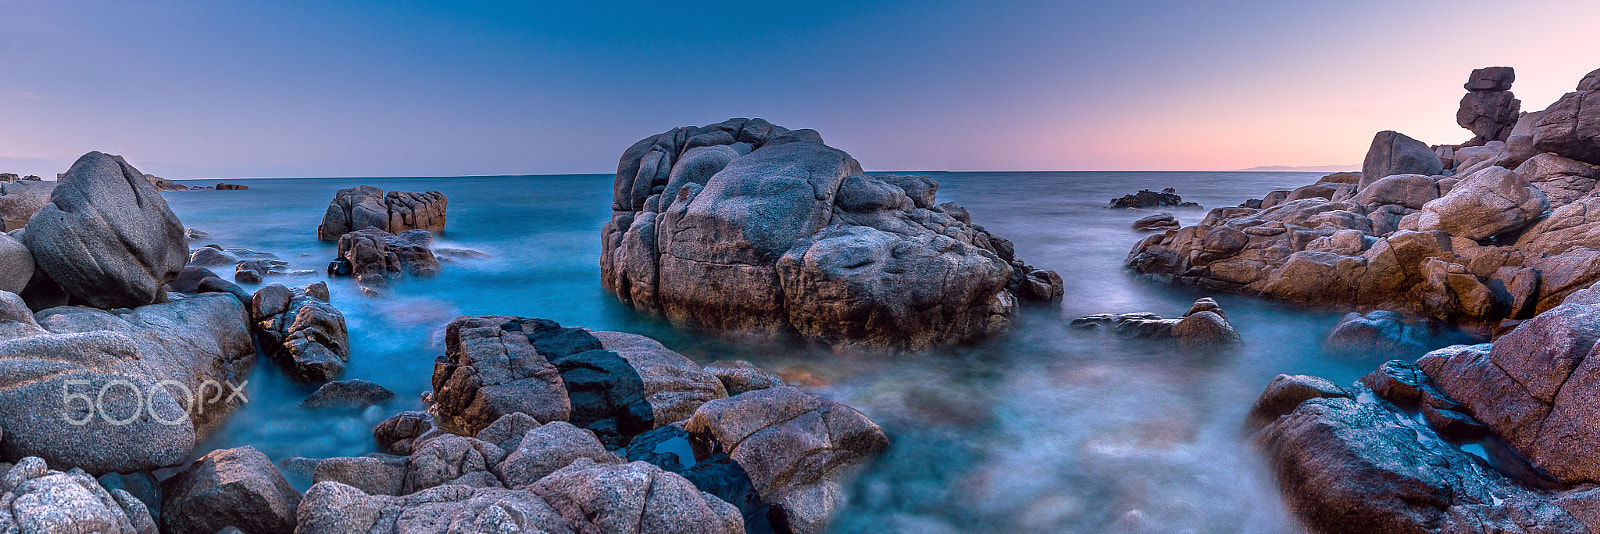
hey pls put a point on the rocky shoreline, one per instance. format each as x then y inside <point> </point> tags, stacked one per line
<point>1491,235</point>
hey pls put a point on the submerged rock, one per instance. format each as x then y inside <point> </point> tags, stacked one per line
<point>1204,325</point>
<point>348,394</point>
<point>751,228</point>
<point>107,237</point>
<point>1379,332</point>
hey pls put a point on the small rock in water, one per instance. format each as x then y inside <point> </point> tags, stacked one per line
<point>347,394</point>
<point>1203,326</point>
<point>460,253</point>
<point>1146,198</point>
<point>193,234</point>
<point>1159,222</point>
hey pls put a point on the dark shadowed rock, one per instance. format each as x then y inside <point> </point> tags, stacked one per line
<point>229,487</point>
<point>1146,198</point>
<point>107,236</point>
<point>1376,333</point>
<point>377,252</point>
<point>397,433</point>
<point>348,394</point>
<point>1393,153</point>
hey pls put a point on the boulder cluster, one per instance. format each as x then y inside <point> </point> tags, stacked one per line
<point>1466,234</point>
<point>1390,453</point>
<point>747,227</point>
<point>364,207</point>
<point>127,380</point>
<point>585,431</point>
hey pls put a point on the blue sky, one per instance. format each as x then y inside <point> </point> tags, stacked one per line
<point>235,89</point>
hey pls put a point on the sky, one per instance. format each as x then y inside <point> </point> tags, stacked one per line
<point>391,88</point>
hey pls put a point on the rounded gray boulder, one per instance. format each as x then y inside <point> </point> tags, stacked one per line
<point>107,236</point>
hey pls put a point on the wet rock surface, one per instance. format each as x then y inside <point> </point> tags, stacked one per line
<point>302,331</point>
<point>751,228</point>
<point>1203,326</point>
<point>1146,198</point>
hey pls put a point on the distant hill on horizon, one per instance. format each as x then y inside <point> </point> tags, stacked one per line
<point>1306,168</point>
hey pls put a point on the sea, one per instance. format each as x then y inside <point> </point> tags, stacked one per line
<point>1045,429</point>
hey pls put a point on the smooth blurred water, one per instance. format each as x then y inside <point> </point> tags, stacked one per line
<point>1047,429</point>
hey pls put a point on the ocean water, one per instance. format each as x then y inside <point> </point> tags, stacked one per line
<point>1047,429</point>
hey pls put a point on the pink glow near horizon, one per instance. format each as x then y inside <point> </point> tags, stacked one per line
<point>1073,86</point>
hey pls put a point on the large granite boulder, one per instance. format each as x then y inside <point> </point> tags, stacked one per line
<point>34,498</point>
<point>793,446</point>
<point>366,207</point>
<point>20,200</point>
<point>1489,109</point>
<point>616,385</point>
<point>1485,204</point>
<point>302,331</point>
<point>1571,126</point>
<point>107,236</point>
<point>1393,153</point>
<point>752,228</point>
<point>126,390</point>
<point>228,487</point>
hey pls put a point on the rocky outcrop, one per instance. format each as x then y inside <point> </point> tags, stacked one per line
<point>164,185</point>
<point>1203,326</point>
<point>1489,109</point>
<point>34,498</point>
<point>20,200</point>
<point>127,390</point>
<point>107,237</point>
<point>1386,453</point>
<point>617,385</point>
<point>366,207</point>
<point>228,487</point>
<point>379,253</point>
<point>1146,198</point>
<point>747,227</point>
<point>793,446</point>
<point>231,187</point>
<point>771,459</point>
<point>302,331</point>
<point>1506,235</point>
<point>739,376</point>
<point>1393,153</point>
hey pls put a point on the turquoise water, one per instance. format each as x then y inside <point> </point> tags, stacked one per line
<point>1045,430</point>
